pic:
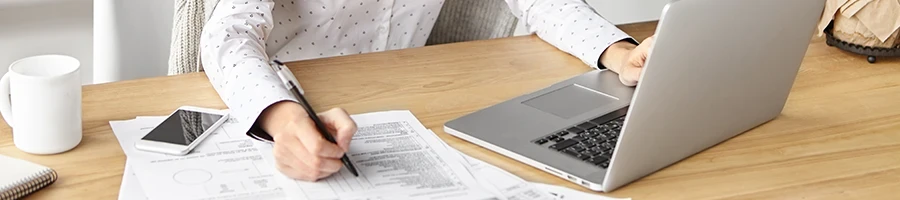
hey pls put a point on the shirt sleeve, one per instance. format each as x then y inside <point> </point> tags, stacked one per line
<point>570,25</point>
<point>232,51</point>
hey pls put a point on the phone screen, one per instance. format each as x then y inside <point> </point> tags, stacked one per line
<point>183,127</point>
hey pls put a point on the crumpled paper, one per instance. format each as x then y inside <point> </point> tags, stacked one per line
<point>880,18</point>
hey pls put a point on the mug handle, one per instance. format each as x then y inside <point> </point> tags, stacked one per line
<point>5,103</point>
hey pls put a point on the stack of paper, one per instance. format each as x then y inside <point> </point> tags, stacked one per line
<point>225,166</point>
<point>397,158</point>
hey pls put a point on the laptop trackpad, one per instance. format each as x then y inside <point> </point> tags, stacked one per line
<point>570,101</point>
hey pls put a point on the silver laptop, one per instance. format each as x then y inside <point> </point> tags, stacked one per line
<point>718,68</point>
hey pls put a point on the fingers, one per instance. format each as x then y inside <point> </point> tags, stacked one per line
<point>631,71</point>
<point>289,150</point>
<point>303,153</point>
<point>636,60</point>
<point>297,163</point>
<point>649,40</point>
<point>344,126</point>
<point>644,49</point>
<point>314,142</point>
<point>628,76</point>
<point>330,165</point>
<point>302,173</point>
<point>635,74</point>
<point>627,81</point>
<point>294,173</point>
<point>290,165</point>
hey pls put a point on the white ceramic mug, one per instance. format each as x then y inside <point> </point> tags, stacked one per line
<point>44,103</point>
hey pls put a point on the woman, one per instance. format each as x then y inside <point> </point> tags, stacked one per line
<point>241,37</point>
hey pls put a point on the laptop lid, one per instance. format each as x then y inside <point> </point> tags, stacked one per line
<point>718,68</point>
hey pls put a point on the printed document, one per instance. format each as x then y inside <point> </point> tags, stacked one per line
<point>226,165</point>
<point>511,187</point>
<point>397,159</point>
<point>131,188</point>
<point>503,184</point>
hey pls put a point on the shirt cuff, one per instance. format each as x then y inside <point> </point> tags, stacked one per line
<point>256,132</point>
<point>249,106</point>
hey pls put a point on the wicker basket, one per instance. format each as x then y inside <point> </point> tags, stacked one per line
<point>850,35</point>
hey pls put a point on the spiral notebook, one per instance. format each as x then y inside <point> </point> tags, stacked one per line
<point>19,178</point>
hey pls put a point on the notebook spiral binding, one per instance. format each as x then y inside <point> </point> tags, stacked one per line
<point>29,185</point>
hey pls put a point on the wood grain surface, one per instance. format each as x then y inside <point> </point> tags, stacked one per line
<point>837,138</point>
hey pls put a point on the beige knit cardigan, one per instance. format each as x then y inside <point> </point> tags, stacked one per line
<point>459,20</point>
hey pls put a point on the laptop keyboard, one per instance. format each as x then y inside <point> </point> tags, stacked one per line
<point>592,141</point>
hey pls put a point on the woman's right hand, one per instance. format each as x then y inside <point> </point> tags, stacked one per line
<point>300,150</point>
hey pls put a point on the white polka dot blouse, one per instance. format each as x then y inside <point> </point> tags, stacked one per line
<point>241,37</point>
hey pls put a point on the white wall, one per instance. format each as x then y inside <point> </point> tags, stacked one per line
<point>620,11</point>
<point>113,39</point>
<point>34,27</point>
<point>128,39</point>
<point>131,38</point>
<point>629,11</point>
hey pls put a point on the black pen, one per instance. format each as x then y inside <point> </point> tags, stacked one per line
<point>291,83</point>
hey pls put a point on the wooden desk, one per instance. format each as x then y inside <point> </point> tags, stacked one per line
<point>838,137</point>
